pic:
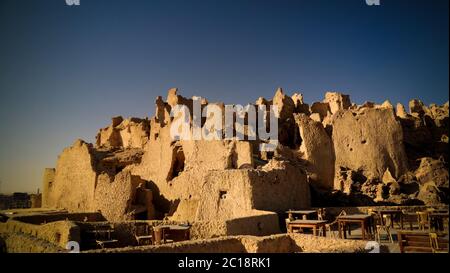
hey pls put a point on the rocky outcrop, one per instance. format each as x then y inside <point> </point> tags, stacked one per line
<point>75,179</point>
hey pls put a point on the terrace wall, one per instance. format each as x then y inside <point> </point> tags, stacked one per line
<point>282,243</point>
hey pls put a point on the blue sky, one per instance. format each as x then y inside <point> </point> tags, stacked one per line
<point>64,71</point>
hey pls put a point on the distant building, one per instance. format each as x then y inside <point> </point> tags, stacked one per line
<point>18,200</point>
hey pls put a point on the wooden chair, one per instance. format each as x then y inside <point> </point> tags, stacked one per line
<point>104,236</point>
<point>161,235</point>
<point>423,220</point>
<point>321,216</point>
<point>294,230</point>
<point>382,224</point>
<point>143,233</point>
<point>287,221</point>
<point>408,218</point>
<point>329,227</point>
<point>372,222</point>
<point>437,245</point>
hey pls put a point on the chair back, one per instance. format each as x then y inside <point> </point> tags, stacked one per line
<point>321,214</point>
<point>438,242</point>
<point>387,219</point>
<point>422,217</point>
<point>142,230</point>
<point>342,213</point>
<point>434,241</point>
<point>377,219</point>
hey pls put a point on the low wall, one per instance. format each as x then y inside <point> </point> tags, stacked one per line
<point>282,243</point>
<point>58,233</point>
<point>314,244</point>
<point>47,218</point>
<point>208,229</point>
<point>23,243</point>
<point>261,223</point>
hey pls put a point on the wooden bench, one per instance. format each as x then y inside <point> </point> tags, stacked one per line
<point>418,241</point>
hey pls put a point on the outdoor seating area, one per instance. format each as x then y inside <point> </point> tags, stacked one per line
<point>422,230</point>
<point>110,235</point>
<point>102,236</point>
<point>148,235</point>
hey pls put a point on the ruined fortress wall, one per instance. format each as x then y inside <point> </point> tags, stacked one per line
<point>47,182</point>
<point>75,179</point>
<point>338,144</point>
<point>114,198</point>
<point>225,195</point>
<point>157,161</point>
<point>279,186</point>
<point>317,149</point>
<point>208,155</point>
<point>257,223</point>
<point>229,194</point>
<point>128,133</point>
<point>370,140</point>
<point>177,170</point>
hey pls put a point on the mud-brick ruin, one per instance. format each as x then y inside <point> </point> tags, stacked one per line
<point>332,153</point>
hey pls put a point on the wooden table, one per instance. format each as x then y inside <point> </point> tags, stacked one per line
<point>175,233</point>
<point>437,219</point>
<point>439,215</point>
<point>315,225</point>
<point>103,237</point>
<point>303,213</point>
<point>411,218</point>
<point>393,213</point>
<point>362,219</point>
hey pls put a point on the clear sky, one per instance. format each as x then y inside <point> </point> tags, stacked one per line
<point>64,71</point>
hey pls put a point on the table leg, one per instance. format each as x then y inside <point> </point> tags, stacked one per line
<point>363,229</point>
<point>314,231</point>
<point>324,231</point>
